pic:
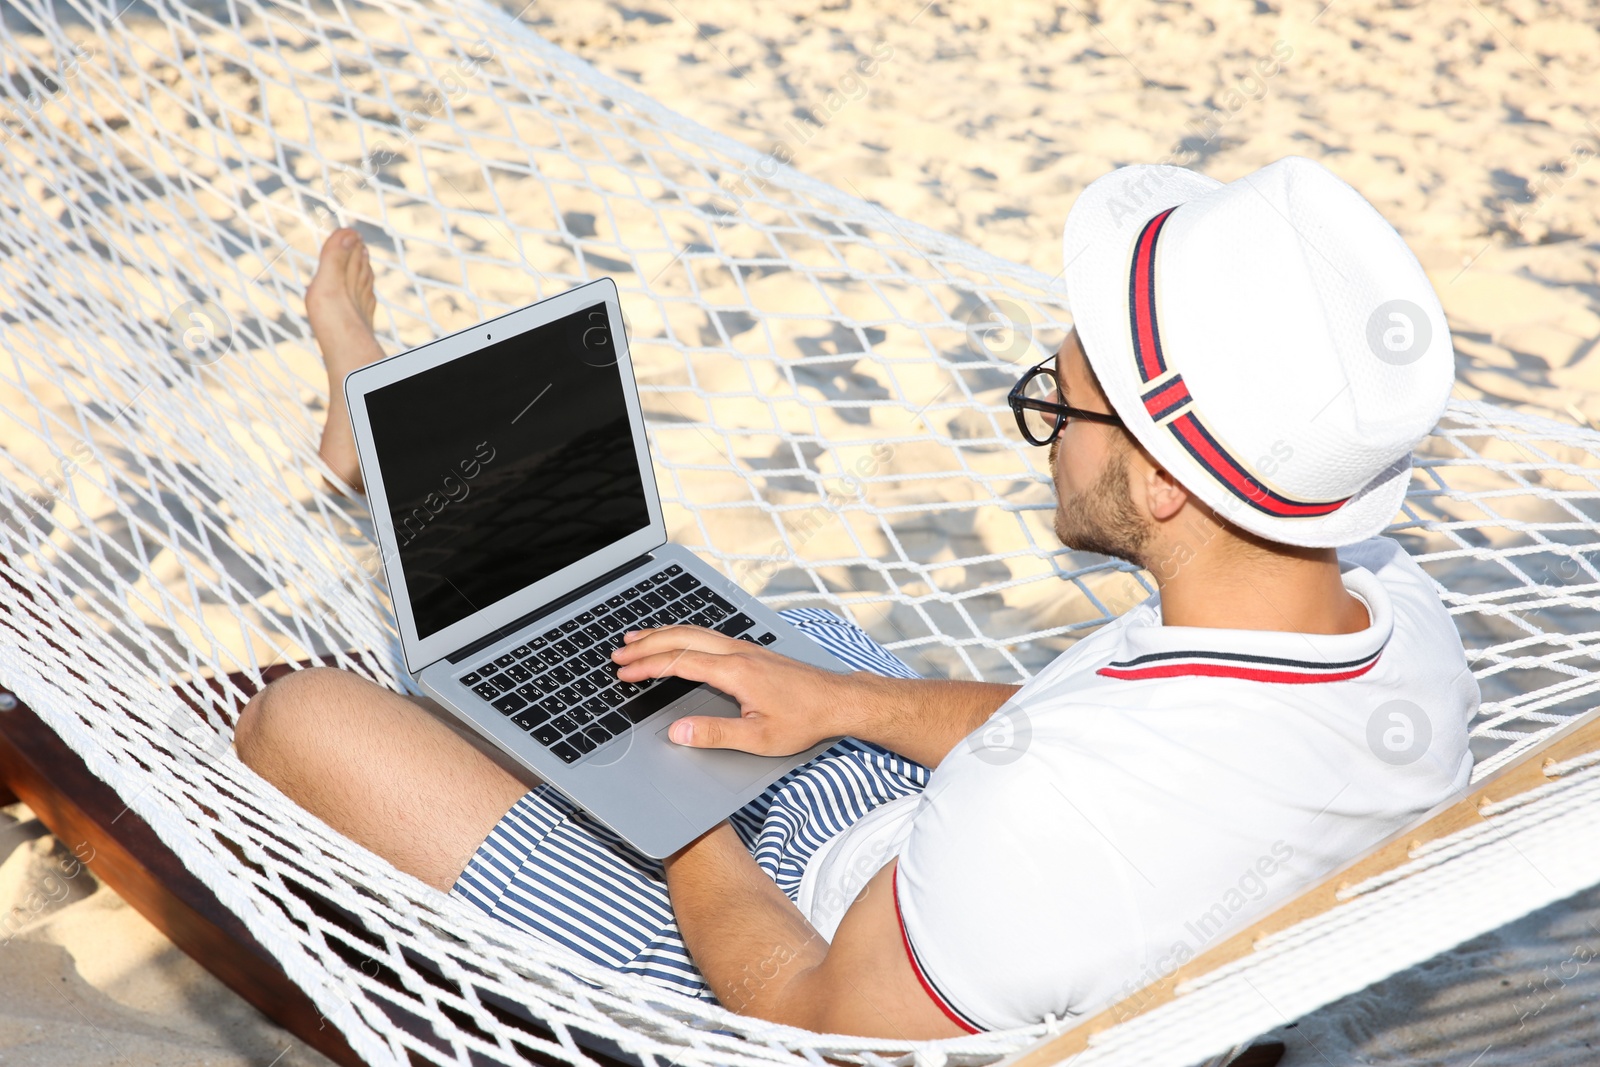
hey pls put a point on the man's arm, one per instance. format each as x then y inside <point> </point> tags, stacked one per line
<point>787,706</point>
<point>762,958</point>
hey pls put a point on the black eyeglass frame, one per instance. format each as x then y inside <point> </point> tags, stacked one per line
<point>1062,412</point>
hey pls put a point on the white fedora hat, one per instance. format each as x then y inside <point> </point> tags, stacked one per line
<point>1272,342</point>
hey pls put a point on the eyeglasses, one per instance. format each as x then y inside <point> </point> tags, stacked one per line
<point>1040,416</point>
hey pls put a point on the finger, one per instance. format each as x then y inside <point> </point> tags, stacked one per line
<point>723,672</point>
<point>640,643</point>
<point>643,632</point>
<point>713,731</point>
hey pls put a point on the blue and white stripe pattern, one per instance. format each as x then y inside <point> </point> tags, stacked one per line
<point>550,869</point>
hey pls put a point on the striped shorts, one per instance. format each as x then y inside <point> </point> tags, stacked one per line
<point>551,870</point>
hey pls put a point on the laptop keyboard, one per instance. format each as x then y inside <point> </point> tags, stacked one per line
<point>561,687</point>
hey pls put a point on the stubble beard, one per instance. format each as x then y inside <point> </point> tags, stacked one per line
<point>1102,518</point>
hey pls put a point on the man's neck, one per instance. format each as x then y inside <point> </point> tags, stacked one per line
<point>1299,592</point>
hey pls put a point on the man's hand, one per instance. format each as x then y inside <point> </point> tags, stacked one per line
<point>785,706</point>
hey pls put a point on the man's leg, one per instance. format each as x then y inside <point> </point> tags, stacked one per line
<point>340,303</point>
<point>387,772</point>
<point>383,770</point>
<point>371,763</point>
<point>377,767</point>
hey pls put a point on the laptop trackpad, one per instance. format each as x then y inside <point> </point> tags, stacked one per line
<point>730,769</point>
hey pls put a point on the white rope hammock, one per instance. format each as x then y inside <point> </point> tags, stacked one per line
<point>825,389</point>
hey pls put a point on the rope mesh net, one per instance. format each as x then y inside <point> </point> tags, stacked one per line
<point>824,384</point>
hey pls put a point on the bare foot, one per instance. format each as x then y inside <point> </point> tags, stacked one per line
<point>340,303</point>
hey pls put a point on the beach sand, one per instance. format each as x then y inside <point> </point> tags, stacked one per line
<point>85,979</point>
<point>1468,126</point>
<point>1464,123</point>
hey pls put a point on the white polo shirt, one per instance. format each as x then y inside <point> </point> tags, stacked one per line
<point>1156,788</point>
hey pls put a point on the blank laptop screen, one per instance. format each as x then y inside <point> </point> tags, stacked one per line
<point>504,466</point>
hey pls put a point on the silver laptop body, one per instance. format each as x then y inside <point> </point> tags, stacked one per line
<point>516,510</point>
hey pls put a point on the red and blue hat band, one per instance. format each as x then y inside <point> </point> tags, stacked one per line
<point>1168,399</point>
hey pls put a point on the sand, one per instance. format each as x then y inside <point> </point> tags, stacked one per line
<point>85,979</point>
<point>1467,124</point>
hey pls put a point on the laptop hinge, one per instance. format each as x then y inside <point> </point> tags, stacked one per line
<point>555,605</point>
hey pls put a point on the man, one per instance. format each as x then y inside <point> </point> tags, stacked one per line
<point>1251,367</point>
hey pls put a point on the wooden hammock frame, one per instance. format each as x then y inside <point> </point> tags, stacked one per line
<point>37,767</point>
<point>1530,771</point>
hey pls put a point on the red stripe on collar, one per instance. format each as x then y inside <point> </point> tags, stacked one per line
<point>1220,670</point>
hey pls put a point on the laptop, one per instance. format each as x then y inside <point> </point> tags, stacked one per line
<point>516,510</point>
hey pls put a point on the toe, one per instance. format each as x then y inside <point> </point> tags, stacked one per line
<point>366,297</point>
<point>353,265</point>
<point>336,251</point>
<point>338,244</point>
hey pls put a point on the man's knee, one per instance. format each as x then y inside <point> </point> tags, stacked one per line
<point>285,715</point>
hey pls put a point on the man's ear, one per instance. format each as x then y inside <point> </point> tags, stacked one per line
<point>1163,496</point>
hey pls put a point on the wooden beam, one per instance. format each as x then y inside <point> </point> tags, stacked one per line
<point>124,852</point>
<point>85,813</point>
